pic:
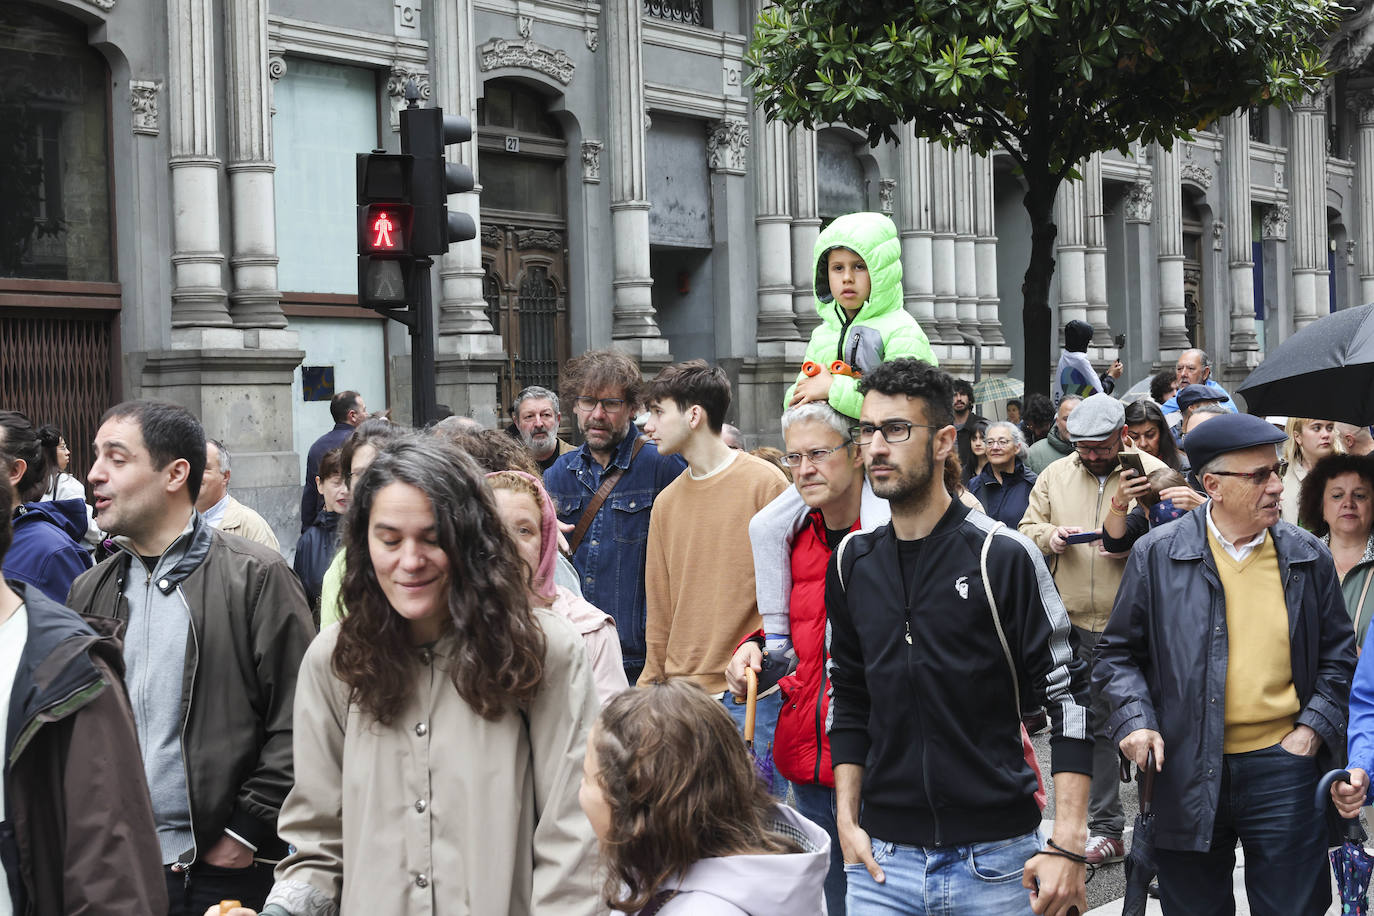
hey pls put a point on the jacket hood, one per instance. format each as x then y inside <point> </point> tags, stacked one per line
<point>1077,335</point>
<point>67,514</point>
<point>760,885</point>
<point>57,662</point>
<point>873,237</point>
<point>548,539</point>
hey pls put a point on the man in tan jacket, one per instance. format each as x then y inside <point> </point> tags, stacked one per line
<point>1072,496</point>
<point>220,509</point>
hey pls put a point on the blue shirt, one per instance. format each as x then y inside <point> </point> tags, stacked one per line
<point>1171,405</point>
<point>610,559</point>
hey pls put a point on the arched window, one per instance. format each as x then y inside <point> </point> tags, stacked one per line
<point>54,149</point>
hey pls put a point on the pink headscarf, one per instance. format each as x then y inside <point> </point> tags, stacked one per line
<point>543,584</point>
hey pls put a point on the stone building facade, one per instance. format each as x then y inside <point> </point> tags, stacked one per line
<point>184,228</point>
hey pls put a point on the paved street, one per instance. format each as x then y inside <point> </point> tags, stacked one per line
<point>1109,883</point>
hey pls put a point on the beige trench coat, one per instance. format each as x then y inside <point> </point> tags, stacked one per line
<point>441,812</point>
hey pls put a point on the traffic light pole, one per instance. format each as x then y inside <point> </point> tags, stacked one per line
<point>423,399</point>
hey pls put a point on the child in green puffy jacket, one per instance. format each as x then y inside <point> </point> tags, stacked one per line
<point>859,299</point>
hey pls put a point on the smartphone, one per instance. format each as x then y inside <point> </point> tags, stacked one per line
<point>1087,537</point>
<point>1130,461</point>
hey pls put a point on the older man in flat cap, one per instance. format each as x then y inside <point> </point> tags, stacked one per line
<point>1072,497</point>
<point>1229,655</point>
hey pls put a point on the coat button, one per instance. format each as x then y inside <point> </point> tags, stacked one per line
<point>162,584</point>
<point>421,881</point>
<point>421,805</point>
<point>422,729</point>
<point>594,543</point>
<point>425,657</point>
<point>632,504</point>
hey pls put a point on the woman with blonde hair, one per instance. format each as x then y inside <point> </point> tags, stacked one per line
<point>530,520</point>
<point>685,824</point>
<point>1309,440</point>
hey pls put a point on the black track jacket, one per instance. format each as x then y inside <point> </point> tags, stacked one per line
<point>934,721</point>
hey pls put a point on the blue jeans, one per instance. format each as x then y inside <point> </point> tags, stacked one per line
<point>984,878</point>
<point>765,723</point>
<point>1266,803</point>
<point>816,803</point>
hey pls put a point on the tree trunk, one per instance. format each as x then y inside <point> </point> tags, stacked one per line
<point>1036,327</point>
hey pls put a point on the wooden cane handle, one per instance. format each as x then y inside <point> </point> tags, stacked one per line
<point>751,700</point>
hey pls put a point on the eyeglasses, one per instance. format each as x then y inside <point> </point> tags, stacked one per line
<point>1105,448</point>
<point>893,431</point>
<point>1259,477</point>
<point>610,405</point>
<point>815,456</point>
<point>997,443</point>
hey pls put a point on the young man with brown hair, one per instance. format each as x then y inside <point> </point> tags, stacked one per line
<point>699,575</point>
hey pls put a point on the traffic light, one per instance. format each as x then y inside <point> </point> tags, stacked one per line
<point>386,219</point>
<point>424,134</point>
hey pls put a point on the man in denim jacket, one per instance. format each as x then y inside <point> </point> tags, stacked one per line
<point>607,390</point>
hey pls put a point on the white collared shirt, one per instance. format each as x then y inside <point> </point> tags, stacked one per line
<point>1238,552</point>
<point>215,514</point>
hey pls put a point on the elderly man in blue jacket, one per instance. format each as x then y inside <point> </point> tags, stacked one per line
<point>1229,655</point>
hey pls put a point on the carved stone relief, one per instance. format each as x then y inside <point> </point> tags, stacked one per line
<point>1274,225</point>
<point>526,55</point>
<point>396,90</point>
<point>143,103</point>
<point>591,161</point>
<point>726,143</point>
<point>1140,201</point>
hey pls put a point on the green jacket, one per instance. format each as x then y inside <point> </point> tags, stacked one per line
<point>1355,588</point>
<point>882,330</point>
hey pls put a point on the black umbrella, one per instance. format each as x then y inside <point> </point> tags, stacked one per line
<point>1325,370</point>
<point>1140,864</point>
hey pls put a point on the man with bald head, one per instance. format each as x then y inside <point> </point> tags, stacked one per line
<point>1194,367</point>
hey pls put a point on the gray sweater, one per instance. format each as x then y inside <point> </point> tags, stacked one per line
<point>155,664</point>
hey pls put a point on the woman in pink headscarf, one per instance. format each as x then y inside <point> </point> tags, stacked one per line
<point>530,520</point>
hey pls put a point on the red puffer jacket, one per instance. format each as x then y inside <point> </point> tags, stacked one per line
<point>801,749</point>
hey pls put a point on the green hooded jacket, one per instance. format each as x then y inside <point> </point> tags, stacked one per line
<point>882,330</point>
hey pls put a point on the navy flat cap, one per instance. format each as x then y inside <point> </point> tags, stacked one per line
<point>1196,394</point>
<point>1230,433</point>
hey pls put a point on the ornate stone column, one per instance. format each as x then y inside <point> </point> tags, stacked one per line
<point>634,310</point>
<point>1095,252</point>
<point>965,258</point>
<point>1069,256</point>
<point>806,227</point>
<point>914,227</point>
<point>463,328</point>
<point>942,256</point>
<point>198,296</point>
<point>985,251</point>
<point>1307,198</point>
<point>1168,223</point>
<point>773,231</point>
<point>1235,146</point>
<point>1362,103</point>
<point>255,301</point>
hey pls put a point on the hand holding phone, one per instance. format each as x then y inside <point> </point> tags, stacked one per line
<point>1086,537</point>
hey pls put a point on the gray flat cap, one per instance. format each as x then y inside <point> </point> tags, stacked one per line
<point>1096,418</point>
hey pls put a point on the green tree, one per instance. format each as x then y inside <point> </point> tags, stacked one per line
<point>1049,81</point>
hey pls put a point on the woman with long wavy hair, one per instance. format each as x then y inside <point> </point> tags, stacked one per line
<point>439,727</point>
<point>686,825</point>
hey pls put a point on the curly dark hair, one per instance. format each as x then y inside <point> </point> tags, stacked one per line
<point>1143,411</point>
<point>498,645</point>
<point>597,370</point>
<point>916,379</point>
<point>1314,487</point>
<point>1039,410</point>
<point>680,787</point>
<point>1160,383</point>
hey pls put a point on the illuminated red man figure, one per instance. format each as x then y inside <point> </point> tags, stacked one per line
<point>383,225</point>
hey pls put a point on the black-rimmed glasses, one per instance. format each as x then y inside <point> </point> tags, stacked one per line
<point>893,431</point>
<point>587,405</point>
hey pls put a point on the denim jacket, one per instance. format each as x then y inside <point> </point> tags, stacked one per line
<point>610,559</point>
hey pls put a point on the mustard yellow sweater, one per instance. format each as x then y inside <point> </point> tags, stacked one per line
<point>1261,701</point>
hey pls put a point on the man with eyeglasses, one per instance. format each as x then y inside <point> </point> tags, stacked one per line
<point>1071,496</point>
<point>828,474</point>
<point>938,623</point>
<point>1229,655</point>
<point>606,489</point>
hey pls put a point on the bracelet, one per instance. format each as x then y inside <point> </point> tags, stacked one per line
<point>1122,507</point>
<point>1120,513</point>
<point>1060,850</point>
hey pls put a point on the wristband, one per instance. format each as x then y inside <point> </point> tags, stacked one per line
<point>1117,512</point>
<point>1122,507</point>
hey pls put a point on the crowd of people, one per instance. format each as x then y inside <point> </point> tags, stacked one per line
<point>507,674</point>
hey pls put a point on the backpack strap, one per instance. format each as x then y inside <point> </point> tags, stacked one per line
<point>839,555</point>
<point>996,618</point>
<point>608,482</point>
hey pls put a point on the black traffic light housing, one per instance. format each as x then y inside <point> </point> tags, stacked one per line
<point>424,134</point>
<point>386,250</point>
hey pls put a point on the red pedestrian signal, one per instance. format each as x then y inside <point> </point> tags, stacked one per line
<point>386,229</point>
